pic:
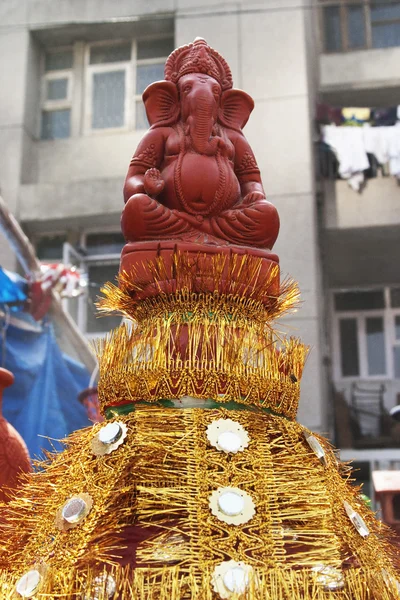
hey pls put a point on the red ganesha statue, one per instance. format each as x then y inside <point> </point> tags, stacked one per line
<point>194,177</point>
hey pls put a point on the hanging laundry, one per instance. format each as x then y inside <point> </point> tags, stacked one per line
<point>393,134</point>
<point>348,144</point>
<point>384,117</point>
<point>384,143</point>
<point>328,114</point>
<point>376,142</point>
<point>327,164</point>
<point>372,172</point>
<point>356,115</point>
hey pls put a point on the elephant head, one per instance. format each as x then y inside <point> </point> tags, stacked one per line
<point>198,102</point>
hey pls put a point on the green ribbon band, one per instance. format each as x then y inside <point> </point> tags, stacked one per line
<point>124,409</point>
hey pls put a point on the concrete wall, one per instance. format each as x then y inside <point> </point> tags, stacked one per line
<point>377,205</point>
<point>13,57</point>
<point>365,68</point>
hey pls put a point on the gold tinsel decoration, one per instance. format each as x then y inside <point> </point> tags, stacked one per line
<point>165,472</point>
<point>215,342</point>
<point>211,345</point>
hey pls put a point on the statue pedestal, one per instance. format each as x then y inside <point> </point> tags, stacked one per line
<point>151,268</point>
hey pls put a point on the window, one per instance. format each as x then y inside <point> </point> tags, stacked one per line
<point>50,247</point>
<point>149,68</point>
<point>110,78</point>
<point>57,95</point>
<point>117,76</point>
<point>357,24</point>
<point>385,23</point>
<point>367,333</point>
<point>97,254</point>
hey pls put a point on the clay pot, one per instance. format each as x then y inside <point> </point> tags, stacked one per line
<point>14,455</point>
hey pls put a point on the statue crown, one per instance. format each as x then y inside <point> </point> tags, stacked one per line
<point>198,57</point>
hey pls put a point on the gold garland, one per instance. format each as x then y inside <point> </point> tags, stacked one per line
<point>163,475</point>
<point>216,344</point>
<point>176,584</point>
<point>231,285</point>
<point>218,362</point>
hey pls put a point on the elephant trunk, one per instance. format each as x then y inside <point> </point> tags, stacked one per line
<point>201,122</point>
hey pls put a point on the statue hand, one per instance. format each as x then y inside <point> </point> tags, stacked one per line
<point>252,197</point>
<point>153,182</point>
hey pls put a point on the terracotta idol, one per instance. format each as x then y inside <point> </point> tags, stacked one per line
<point>194,177</point>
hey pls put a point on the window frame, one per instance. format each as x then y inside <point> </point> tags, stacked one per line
<point>368,25</point>
<point>131,97</point>
<point>93,260</point>
<point>85,261</point>
<point>47,105</point>
<point>90,70</point>
<point>388,315</point>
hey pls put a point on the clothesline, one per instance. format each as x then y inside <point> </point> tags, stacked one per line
<point>353,144</point>
<point>356,115</point>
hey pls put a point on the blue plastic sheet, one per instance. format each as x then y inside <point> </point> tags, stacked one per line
<point>43,400</point>
<point>12,288</point>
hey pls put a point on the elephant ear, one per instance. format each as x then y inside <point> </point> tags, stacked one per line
<point>161,101</point>
<point>235,109</point>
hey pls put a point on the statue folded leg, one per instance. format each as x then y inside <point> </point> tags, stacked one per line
<point>250,224</point>
<point>254,225</point>
<point>144,218</point>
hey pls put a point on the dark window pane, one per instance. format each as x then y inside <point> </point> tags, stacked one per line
<point>385,10</point>
<point>396,507</point>
<point>57,89</point>
<point>395,297</point>
<point>154,48</point>
<point>375,346</point>
<point>56,124</point>
<point>396,360</point>
<point>332,31</point>
<point>110,54</point>
<point>355,26</point>
<point>368,300</point>
<point>146,74</point>
<point>386,35</point>
<point>108,100</point>
<point>397,327</point>
<point>104,243</point>
<point>141,117</point>
<point>56,61</point>
<point>98,275</point>
<point>349,347</point>
<point>50,247</point>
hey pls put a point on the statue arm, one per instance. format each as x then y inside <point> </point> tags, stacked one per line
<point>247,171</point>
<point>149,155</point>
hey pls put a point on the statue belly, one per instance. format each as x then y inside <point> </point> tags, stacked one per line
<point>200,181</point>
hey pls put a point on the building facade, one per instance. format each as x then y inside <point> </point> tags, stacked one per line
<point>73,72</point>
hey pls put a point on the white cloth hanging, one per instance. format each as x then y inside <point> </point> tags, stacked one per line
<point>393,137</point>
<point>376,142</point>
<point>349,146</point>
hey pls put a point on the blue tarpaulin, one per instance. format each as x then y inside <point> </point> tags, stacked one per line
<point>43,400</point>
<point>12,288</point>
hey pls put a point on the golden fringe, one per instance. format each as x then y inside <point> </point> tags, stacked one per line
<point>162,360</point>
<point>216,344</point>
<point>225,285</point>
<point>177,584</point>
<point>163,476</point>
